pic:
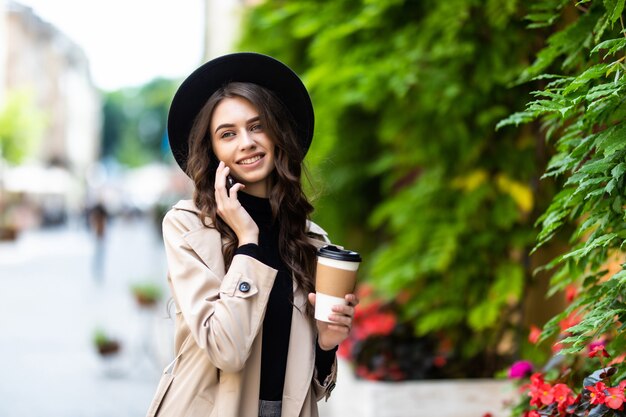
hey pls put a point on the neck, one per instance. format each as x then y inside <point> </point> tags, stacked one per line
<point>259,189</point>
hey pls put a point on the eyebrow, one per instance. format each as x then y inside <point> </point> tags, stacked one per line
<point>225,125</point>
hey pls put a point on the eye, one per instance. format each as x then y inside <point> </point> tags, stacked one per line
<point>256,128</point>
<point>227,134</point>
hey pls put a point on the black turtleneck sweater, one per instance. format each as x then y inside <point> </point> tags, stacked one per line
<point>277,321</point>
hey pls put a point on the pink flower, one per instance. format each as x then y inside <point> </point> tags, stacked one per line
<point>520,369</point>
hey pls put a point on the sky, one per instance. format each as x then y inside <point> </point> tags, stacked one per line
<point>130,42</point>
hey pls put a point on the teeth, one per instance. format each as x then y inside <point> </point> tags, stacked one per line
<point>250,160</point>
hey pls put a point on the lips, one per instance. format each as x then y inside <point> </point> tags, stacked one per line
<point>250,160</point>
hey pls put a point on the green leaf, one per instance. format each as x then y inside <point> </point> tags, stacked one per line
<point>611,186</point>
<point>612,139</point>
<point>613,46</point>
<point>601,241</point>
<point>592,73</point>
<point>614,9</point>
<point>619,170</point>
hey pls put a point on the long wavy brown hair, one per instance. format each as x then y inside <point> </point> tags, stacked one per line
<point>290,206</point>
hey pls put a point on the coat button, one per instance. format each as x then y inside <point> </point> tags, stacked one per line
<point>244,287</point>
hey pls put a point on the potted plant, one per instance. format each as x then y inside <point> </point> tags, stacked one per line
<point>105,344</point>
<point>146,294</point>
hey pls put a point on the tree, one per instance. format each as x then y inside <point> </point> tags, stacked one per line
<point>407,95</point>
<point>135,122</point>
<point>21,126</point>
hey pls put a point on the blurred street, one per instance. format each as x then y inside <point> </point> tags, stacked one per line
<point>52,305</point>
<point>54,301</point>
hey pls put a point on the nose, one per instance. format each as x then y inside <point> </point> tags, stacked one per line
<point>246,140</point>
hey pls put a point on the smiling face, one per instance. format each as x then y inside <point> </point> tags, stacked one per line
<point>238,139</point>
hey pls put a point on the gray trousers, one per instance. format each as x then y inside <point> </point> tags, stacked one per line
<point>269,408</point>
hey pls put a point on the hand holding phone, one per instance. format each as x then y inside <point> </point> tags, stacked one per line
<point>229,183</point>
<point>230,209</point>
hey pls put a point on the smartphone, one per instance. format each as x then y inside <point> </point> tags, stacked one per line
<point>229,183</point>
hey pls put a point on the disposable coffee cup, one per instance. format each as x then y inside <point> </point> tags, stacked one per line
<point>334,278</point>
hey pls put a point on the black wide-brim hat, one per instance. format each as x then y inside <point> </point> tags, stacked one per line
<point>250,67</point>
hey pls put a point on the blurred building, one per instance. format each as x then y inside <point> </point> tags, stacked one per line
<point>223,25</point>
<point>52,69</point>
<point>2,50</point>
<point>41,59</point>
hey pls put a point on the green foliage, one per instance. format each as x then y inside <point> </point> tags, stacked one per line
<point>411,170</point>
<point>135,122</point>
<point>21,126</point>
<point>583,110</point>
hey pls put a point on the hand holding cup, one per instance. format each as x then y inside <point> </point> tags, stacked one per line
<point>335,278</point>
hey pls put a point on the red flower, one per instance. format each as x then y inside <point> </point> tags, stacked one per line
<point>570,292</point>
<point>556,348</point>
<point>563,396</point>
<point>598,350</point>
<point>375,323</point>
<point>615,397</point>
<point>345,349</point>
<point>534,334</point>
<point>368,321</point>
<point>596,393</point>
<point>439,361</point>
<point>363,372</point>
<point>569,321</point>
<point>531,413</point>
<point>540,392</point>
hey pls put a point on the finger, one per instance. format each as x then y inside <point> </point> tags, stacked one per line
<point>312,299</point>
<point>345,310</point>
<point>235,189</point>
<point>221,193</point>
<point>340,317</point>
<point>352,299</point>
<point>220,183</point>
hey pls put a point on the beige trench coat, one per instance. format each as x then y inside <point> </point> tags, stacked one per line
<point>219,329</point>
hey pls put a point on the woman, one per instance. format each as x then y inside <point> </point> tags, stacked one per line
<point>241,254</point>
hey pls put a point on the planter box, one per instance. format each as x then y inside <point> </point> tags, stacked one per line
<point>441,398</point>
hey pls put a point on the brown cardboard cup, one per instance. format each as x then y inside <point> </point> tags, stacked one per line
<point>334,278</point>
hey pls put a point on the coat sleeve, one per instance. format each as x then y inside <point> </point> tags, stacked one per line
<point>223,315</point>
<point>324,389</point>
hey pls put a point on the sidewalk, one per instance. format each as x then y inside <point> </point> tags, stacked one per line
<point>51,306</point>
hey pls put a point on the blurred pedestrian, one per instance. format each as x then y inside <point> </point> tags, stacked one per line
<point>242,254</point>
<point>98,218</point>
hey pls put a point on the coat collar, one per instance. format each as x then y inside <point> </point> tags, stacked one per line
<point>189,205</point>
